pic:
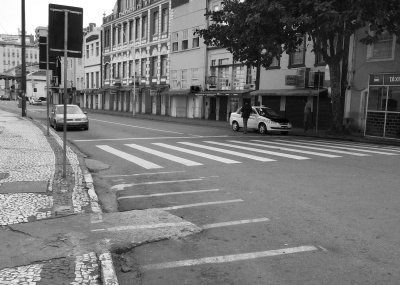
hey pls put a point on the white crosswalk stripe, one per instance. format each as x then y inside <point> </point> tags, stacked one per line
<point>265,144</point>
<point>174,158</point>
<point>263,159</point>
<point>260,150</point>
<point>298,145</point>
<point>352,147</point>
<point>198,153</point>
<point>134,159</point>
<point>283,148</point>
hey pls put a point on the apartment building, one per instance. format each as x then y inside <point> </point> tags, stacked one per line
<point>188,59</point>
<point>135,56</point>
<point>90,82</point>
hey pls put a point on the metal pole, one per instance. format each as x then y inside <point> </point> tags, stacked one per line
<point>23,67</point>
<point>47,85</point>
<point>316,123</point>
<point>65,93</point>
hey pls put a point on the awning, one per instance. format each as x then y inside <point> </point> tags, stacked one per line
<point>223,93</point>
<point>288,92</point>
<point>180,92</point>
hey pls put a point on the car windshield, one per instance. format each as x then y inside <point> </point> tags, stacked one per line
<point>70,110</point>
<point>267,112</point>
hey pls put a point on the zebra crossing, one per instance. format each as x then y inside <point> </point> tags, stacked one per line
<point>246,150</point>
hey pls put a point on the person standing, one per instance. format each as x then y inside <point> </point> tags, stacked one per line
<point>307,114</point>
<point>246,111</point>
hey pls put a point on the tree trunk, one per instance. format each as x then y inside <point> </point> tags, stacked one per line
<point>337,109</point>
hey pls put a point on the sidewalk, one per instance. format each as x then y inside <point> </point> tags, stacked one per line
<point>52,229</point>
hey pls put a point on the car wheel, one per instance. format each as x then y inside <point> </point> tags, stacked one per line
<point>262,128</point>
<point>284,133</point>
<point>235,126</point>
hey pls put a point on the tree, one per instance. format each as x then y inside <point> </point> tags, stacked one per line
<point>329,24</point>
<point>251,31</point>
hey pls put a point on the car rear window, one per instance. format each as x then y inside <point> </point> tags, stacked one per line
<point>70,110</point>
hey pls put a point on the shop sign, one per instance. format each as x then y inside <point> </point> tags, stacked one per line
<point>291,80</point>
<point>384,79</point>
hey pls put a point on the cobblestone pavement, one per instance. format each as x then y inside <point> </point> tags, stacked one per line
<point>29,157</point>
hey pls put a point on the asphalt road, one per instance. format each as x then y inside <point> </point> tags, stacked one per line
<point>313,212</point>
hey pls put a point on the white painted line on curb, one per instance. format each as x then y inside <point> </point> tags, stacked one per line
<point>201,204</point>
<point>228,258</point>
<point>107,269</point>
<point>166,194</point>
<point>139,174</point>
<point>234,223</point>
<point>120,187</point>
<point>143,227</point>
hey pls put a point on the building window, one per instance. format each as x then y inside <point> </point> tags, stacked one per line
<point>131,30</point>
<point>153,66</point>
<point>175,42</point>
<point>276,63</point>
<point>224,78</point>
<point>97,79</point>
<point>223,61</point>
<point>97,49</point>
<point>297,58</point>
<point>163,67</point>
<point>87,80</point>
<point>155,23</point>
<point>119,70</point>
<point>137,31</point>
<point>185,39</point>
<point>164,20</point>
<point>319,59</point>
<point>239,77</point>
<point>174,79</point>
<point>143,67</point>
<point>130,68</point>
<point>124,38</point>
<point>184,79</point>
<point>124,70</point>
<point>195,40</point>
<point>87,51</point>
<point>137,66</point>
<point>144,27</point>
<point>195,76</point>
<point>383,49</point>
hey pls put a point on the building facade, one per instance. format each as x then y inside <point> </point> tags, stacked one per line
<point>373,97</point>
<point>136,56</point>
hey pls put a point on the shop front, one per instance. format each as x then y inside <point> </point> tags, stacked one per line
<point>383,108</point>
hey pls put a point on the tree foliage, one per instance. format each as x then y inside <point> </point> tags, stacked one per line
<point>256,31</point>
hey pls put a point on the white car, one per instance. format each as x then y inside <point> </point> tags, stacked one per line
<point>76,118</point>
<point>263,119</point>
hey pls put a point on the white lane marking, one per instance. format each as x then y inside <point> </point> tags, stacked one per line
<point>198,153</point>
<point>260,151</point>
<point>349,147</point>
<point>286,149</point>
<point>136,127</point>
<point>134,159</point>
<point>228,258</point>
<point>234,223</point>
<point>119,187</point>
<point>142,227</point>
<point>171,157</point>
<point>96,218</point>
<point>140,174</point>
<point>201,204</point>
<point>363,145</point>
<point>166,194</point>
<point>153,138</point>
<point>264,159</point>
<point>318,148</point>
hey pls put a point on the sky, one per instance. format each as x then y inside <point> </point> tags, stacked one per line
<point>36,13</point>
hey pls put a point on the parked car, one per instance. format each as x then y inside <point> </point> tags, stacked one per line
<point>34,101</point>
<point>43,99</point>
<point>76,118</point>
<point>263,119</point>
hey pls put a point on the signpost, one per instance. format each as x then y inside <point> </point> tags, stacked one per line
<point>65,39</point>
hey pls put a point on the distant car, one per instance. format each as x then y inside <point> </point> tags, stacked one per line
<point>43,99</point>
<point>76,118</point>
<point>34,101</point>
<point>263,119</point>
